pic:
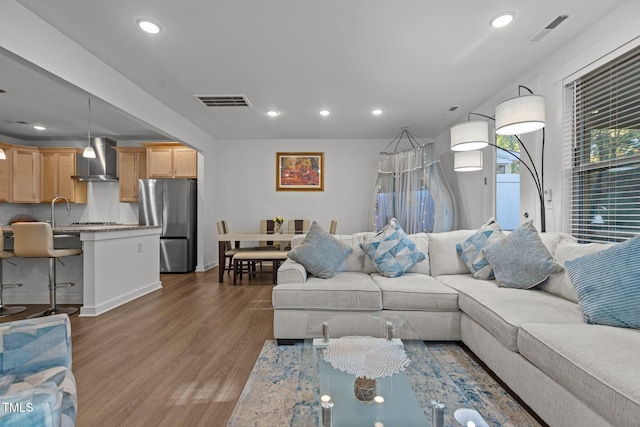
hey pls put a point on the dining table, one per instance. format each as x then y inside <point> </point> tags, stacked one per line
<point>250,236</point>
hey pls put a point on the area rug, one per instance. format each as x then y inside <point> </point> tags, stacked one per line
<point>279,393</point>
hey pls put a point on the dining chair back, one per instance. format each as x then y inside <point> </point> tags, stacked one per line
<point>298,226</point>
<point>266,227</point>
<point>333,226</point>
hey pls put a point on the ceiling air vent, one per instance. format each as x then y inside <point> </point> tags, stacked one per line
<point>546,30</point>
<point>451,109</point>
<point>224,100</point>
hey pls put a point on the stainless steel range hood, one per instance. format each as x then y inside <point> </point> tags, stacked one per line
<point>104,167</point>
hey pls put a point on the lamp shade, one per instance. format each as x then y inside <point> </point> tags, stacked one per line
<point>519,115</point>
<point>467,161</point>
<point>472,135</point>
<point>89,152</point>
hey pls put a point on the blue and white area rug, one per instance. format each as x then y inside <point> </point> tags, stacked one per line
<point>278,393</point>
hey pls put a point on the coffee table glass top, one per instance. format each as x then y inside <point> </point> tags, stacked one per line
<point>387,400</point>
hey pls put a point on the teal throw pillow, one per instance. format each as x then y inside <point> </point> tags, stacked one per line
<point>520,260</point>
<point>392,251</point>
<point>470,250</point>
<point>608,285</point>
<point>320,253</point>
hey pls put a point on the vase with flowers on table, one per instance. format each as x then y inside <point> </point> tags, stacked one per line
<point>277,224</point>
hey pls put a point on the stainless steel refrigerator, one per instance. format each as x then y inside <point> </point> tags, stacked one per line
<point>172,204</point>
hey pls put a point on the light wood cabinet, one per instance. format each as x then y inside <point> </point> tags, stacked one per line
<point>5,170</point>
<point>58,165</point>
<point>132,166</point>
<point>25,174</point>
<point>171,161</point>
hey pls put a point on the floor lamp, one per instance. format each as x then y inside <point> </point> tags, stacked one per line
<point>515,116</point>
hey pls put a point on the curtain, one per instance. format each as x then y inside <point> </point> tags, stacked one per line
<point>412,188</point>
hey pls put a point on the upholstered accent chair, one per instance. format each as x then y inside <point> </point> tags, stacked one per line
<point>37,387</point>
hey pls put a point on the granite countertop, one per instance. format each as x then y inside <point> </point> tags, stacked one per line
<point>77,229</point>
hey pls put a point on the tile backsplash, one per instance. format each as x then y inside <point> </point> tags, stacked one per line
<point>103,204</point>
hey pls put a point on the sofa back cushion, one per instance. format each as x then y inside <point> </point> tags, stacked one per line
<point>443,256</point>
<point>356,259</point>
<point>566,250</point>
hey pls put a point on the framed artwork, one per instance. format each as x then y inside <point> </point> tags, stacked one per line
<point>299,171</point>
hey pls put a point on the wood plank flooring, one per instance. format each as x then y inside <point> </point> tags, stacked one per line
<point>179,356</point>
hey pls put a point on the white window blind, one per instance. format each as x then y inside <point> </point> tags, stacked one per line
<point>602,152</point>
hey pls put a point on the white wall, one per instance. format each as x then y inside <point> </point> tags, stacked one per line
<point>247,171</point>
<point>619,29</point>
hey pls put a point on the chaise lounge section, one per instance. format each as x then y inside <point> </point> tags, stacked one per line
<point>536,340</point>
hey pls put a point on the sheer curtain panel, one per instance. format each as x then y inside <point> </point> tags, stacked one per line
<point>412,188</point>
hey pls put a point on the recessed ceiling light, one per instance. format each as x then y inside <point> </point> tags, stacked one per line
<point>502,19</point>
<point>325,112</point>
<point>376,112</point>
<point>273,113</point>
<point>148,26</point>
<point>38,127</point>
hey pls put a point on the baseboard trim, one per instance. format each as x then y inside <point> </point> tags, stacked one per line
<point>88,311</point>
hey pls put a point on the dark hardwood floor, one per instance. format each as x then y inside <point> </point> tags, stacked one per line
<point>179,356</point>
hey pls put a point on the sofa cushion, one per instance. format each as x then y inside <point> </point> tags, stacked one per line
<point>560,284</point>
<point>502,310</point>
<point>443,257</point>
<point>521,260</point>
<point>393,252</point>
<point>413,291</point>
<point>599,364</point>
<point>345,291</point>
<point>470,250</point>
<point>355,260</point>
<point>320,252</point>
<point>607,285</point>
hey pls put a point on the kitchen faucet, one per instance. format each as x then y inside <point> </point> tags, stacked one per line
<point>53,212</point>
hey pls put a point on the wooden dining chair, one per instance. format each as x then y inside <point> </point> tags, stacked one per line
<point>298,226</point>
<point>229,250</point>
<point>266,227</point>
<point>333,226</point>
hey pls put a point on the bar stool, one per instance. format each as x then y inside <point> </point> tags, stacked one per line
<point>35,240</point>
<point>4,310</point>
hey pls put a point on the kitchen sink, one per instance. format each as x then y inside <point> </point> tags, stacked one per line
<point>60,241</point>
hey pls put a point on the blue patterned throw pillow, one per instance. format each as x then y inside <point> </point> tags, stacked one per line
<point>608,285</point>
<point>521,260</point>
<point>470,250</point>
<point>392,251</point>
<point>320,253</point>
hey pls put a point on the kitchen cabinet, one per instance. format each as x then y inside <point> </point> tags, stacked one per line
<point>58,165</point>
<point>5,177</point>
<point>132,166</point>
<point>25,174</point>
<point>171,161</point>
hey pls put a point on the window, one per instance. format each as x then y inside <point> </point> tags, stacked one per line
<point>508,182</point>
<point>602,137</point>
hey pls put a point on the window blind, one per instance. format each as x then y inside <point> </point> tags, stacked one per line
<point>602,152</point>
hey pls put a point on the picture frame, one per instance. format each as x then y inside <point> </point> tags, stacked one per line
<point>300,171</point>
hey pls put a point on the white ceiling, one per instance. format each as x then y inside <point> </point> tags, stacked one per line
<point>412,58</point>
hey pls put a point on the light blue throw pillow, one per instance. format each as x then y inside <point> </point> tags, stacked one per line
<point>520,260</point>
<point>608,285</point>
<point>470,250</point>
<point>392,251</point>
<point>320,253</point>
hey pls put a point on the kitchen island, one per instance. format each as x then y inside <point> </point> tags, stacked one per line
<point>119,263</point>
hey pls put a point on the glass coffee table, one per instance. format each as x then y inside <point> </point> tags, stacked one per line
<point>349,400</point>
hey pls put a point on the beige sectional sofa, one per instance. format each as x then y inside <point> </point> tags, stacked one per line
<point>570,373</point>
